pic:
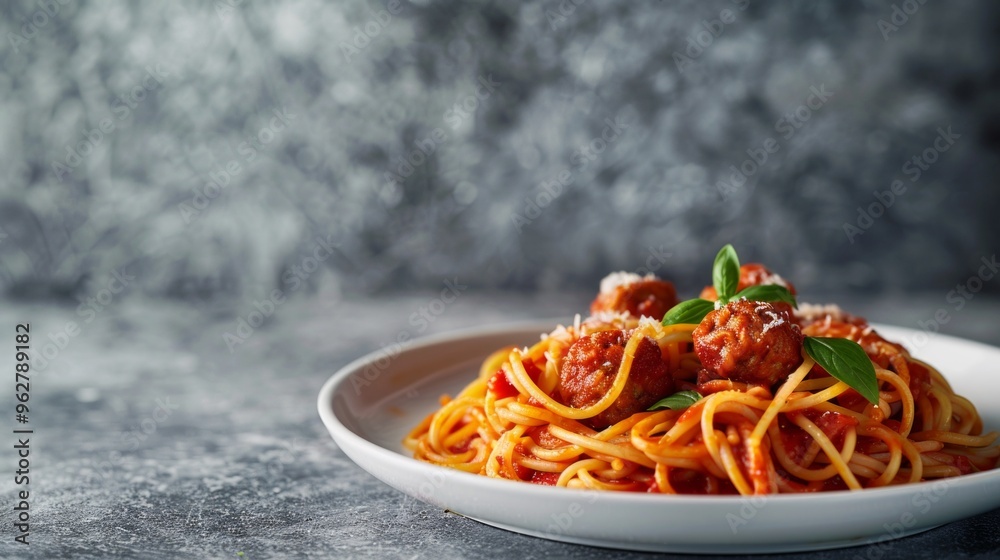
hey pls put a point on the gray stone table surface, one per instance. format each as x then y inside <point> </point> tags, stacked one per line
<point>153,440</point>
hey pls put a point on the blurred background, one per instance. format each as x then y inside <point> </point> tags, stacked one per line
<point>223,202</point>
<point>207,149</point>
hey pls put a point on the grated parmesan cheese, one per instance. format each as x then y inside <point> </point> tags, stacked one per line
<point>608,317</point>
<point>772,278</point>
<point>613,281</point>
<point>646,320</point>
<point>774,319</point>
<point>810,311</point>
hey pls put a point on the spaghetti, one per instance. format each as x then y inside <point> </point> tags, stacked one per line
<point>525,417</point>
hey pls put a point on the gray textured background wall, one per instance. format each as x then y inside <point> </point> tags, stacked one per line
<point>204,147</point>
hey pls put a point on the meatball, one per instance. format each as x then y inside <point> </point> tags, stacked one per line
<point>650,297</point>
<point>589,369</point>
<point>752,342</point>
<point>751,274</point>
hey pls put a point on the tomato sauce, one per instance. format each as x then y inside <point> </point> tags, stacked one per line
<point>544,478</point>
<point>797,441</point>
<point>501,386</point>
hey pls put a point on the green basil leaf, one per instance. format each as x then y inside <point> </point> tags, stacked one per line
<point>726,273</point>
<point>677,401</point>
<point>689,312</point>
<point>768,292</point>
<point>847,361</point>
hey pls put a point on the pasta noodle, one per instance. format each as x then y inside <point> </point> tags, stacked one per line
<point>807,432</point>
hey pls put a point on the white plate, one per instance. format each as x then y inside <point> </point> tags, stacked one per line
<point>369,405</point>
